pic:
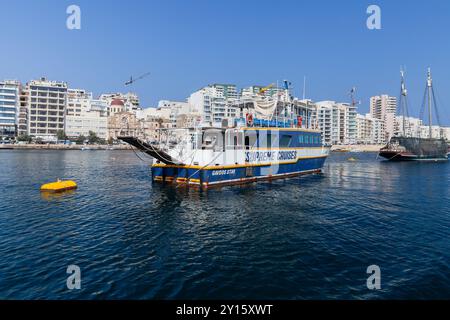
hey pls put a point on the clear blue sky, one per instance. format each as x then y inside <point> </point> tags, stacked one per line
<point>189,44</point>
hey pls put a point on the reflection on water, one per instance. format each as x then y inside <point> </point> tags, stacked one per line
<point>49,195</point>
<point>307,237</point>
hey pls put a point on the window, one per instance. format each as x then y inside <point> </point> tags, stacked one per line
<point>285,141</point>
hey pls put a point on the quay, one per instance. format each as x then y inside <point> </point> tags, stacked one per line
<point>357,148</point>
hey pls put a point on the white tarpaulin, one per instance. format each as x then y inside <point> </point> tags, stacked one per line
<point>265,108</point>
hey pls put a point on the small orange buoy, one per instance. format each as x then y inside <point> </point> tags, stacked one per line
<point>59,186</point>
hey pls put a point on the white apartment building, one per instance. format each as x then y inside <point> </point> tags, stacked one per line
<point>85,115</point>
<point>445,133</point>
<point>130,101</point>
<point>337,121</point>
<point>412,126</point>
<point>347,122</point>
<point>369,130</point>
<point>384,107</point>
<point>265,91</point>
<point>22,115</point>
<point>326,117</point>
<point>176,108</point>
<point>47,103</point>
<point>214,103</point>
<point>9,107</point>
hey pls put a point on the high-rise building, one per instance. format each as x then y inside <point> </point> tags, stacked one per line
<point>337,121</point>
<point>384,107</point>
<point>347,122</point>
<point>215,103</point>
<point>327,118</point>
<point>265,91</point>
<point>369,130</point>
<point>9,107</point>
<point>47,102</point>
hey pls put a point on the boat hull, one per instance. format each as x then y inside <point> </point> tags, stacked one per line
<point>234,174</point>
<point>415,149</point>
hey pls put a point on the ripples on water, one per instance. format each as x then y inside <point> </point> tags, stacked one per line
<point>303,238</point>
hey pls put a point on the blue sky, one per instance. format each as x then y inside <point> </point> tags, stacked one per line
<point>189,44</point>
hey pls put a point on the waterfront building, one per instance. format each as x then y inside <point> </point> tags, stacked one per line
<point>326,118</point>
<point>130,102</point>
<point>347,123</point>
<point>85,115</point>
<point>175,109</point>
<point>215,103</point>
<point>265,91</point>
<point>337,121</point>
<point>445,133</point>
<point>412,126</point>
<point>9,108</point>
<point>369,130</point>
<point>384,107</point>
<point>47,102</point>
<point>151,128</point>
<point>124,123</point>
<point>22,116</point>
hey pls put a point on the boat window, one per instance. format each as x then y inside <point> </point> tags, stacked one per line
<point>251,139</point>
<point>213,140</point>
<point>234,140</point>
<point>300,138</point>
<point>247,142</point>
<point>285,141</point>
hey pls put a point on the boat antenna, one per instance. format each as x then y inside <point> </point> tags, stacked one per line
<point>304,87</point>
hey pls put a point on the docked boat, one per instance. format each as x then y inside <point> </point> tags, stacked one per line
<point>408,148</point>
<point>268,140</point>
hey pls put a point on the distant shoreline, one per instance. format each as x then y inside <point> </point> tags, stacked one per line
<point>336,148</point>
<point>357,148</point>
<point>62,147</point>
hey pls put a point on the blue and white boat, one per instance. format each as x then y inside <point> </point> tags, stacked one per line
<point>268,141</point>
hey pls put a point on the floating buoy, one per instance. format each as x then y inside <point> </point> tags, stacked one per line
<point>351,159</point>
<point>59,186</point>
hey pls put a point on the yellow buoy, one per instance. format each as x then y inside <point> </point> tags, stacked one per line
<point>59,186</point>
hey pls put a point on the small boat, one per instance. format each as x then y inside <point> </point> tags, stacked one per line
<point>59,186</point>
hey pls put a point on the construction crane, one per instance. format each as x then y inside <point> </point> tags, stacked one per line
<point>262,90</point>
<point>131,81</point>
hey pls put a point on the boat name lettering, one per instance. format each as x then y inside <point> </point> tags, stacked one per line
<point>223,172</point>
<point>264,156</point>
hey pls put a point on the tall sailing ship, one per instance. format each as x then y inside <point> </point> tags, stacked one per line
<point>269,139</point>
<point>407,148</point>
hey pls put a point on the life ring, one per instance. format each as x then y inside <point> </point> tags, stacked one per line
<point>249,119</point>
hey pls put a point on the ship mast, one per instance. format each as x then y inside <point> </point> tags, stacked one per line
<point>430,86</point>
<point>403,101</point>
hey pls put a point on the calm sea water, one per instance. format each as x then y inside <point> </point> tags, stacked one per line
<point>303,238</point>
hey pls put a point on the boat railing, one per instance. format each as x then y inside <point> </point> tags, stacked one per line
<point>273,123</point>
